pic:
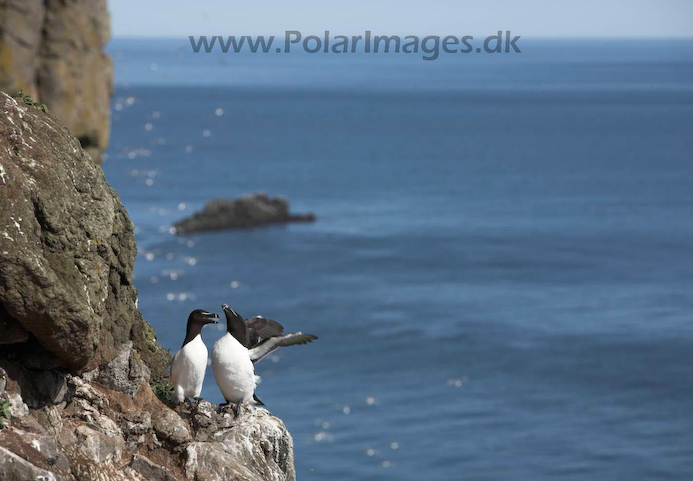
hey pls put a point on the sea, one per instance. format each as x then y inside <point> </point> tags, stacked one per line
<point>501,270</point>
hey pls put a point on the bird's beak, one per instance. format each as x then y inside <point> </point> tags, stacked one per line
<point>211,317</point>
<point>230,313</point>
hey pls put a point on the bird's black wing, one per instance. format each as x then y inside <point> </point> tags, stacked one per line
<point>261,328</point>
<point>265,327</point>
<point>268,345</point>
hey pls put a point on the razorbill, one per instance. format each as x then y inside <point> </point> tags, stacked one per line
<point>189,364</point>
<point>245,343</point>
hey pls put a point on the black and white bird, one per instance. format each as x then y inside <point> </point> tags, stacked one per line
<point>190,363</point>
<point>245,343</point>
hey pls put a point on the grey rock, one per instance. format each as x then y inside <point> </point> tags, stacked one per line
<point>137,427</point>
<point>204,419</point>
<point>29,424</point>
<point>170,428</point>
<point>51,387</point>
<point>94,455</point>
<point>96,446</point>
<point>95,419</point>
<point>251,210</point>
<point>84,390</point>
<point>254,446</point>
<point>67,247</point>
<point>38,387</point>
<point>108,471</point>
<point>17,406</point>
<point>149,470</point>
<point>14,468</point>
<point>46,447</point>
<point>50,418</point>
<point>125,373</point>
<point>108,435</point>
<point>137,423</point>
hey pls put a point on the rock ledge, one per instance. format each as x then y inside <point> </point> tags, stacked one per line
<point>99,433</point>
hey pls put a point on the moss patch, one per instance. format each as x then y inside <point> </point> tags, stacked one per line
<point>30,101</point>
<point>163,391</point>
<point>6,413</point>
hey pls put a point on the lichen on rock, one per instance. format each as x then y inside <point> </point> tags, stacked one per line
<point>67,247</point>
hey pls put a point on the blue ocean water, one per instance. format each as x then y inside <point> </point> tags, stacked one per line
<point>501,273</point>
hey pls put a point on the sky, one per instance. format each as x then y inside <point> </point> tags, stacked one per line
<point>529,18</point>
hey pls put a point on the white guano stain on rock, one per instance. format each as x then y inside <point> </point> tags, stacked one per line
<point>86,291</point>
<point>17,225</point>
<point>11,104</point>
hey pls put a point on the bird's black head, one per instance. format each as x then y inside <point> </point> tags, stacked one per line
<point>235,325</point>
<point>230,314</point>
<point>202,317</point>
<point>196,321</point>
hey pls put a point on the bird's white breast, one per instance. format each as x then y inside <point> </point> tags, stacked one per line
<point>188,369</point>
<point>233,369</point>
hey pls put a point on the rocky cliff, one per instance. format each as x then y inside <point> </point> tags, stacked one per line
<point>53,50</point>
<point>76,357</point>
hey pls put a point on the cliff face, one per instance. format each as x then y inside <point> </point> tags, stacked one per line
<point>53,51</point>
<point>67,247</point>
<point>76,357</point>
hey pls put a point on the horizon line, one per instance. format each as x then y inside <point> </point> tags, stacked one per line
<point>525,37</point>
